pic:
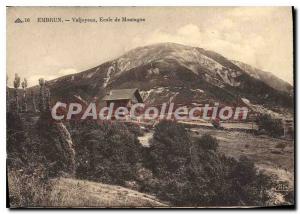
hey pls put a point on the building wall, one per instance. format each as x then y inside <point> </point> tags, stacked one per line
<point>118,103</point>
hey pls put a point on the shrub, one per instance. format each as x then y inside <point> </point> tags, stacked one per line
<point>27,174</point>
<point>15,140</point>
<point>28,190</point>
<point>195,174</point>
<point>280,145</point>
<point>107,153</point>
<point>55,144</point>
<point>273,127</point>
<point>207,142</point>
<point>135,129</point>
<point>249,186</point>
<point>169,147</point>
<point>290,198</point>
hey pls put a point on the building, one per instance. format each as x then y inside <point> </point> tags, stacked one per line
<point>123,97</point>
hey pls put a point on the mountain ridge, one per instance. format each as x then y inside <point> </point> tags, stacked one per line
<point>170,71</point>
<point>266,76</point>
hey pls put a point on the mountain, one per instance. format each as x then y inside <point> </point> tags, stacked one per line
<point>266,77</point>
<point>168,72</point>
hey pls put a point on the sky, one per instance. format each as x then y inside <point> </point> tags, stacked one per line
<point>259,36</point>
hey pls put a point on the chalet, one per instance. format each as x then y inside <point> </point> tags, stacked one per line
<point>123,97</point>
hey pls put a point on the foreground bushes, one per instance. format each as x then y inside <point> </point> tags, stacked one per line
<point>35,155</point>
<point>195,174</point>
<point>176,168</point>
<point>56,146</point>
<point>15,143</point>
<point>28,189</point>
<point>108,152</point>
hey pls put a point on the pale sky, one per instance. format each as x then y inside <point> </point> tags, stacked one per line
<point>261,37</point>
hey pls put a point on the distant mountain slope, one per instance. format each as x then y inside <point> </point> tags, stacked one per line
<point>168,72</point>
<point>266,77</point>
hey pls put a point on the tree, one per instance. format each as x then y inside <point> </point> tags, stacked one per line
<point>24,86</point>
<point>56,145</point>
<point>7,96</point>
<point>44,102</point>
<point>33,101</point>
<point>169,146</point>
<point>108,152</point>
<point>16,86</point>
<point>272,126</point>
<point>15,139</point>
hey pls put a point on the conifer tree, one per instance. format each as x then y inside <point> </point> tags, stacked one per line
<point>16,86</point>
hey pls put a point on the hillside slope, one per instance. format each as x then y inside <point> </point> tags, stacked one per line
<point>172,72</point>
<point>266,77</point>
<point>68,192</point>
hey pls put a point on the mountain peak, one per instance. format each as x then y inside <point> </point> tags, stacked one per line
<point>174,72</point>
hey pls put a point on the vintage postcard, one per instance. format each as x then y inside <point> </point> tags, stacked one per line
<point>142,107</point>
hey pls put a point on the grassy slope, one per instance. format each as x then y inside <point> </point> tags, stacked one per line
<point>68,192</point>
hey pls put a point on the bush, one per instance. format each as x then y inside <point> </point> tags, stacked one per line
<point>55,144</point>
<point>169,147</point>
<point>207,142</point>
<point>195,174</point>
<point>249,185</point>
<point>27,167</point>
<point>290,198</point>
<point>107,153</point>
<point>28,190</point>
<point>273,127</point>
<point>280,145</point>
<point>16,147</point>
<point>135,129</point>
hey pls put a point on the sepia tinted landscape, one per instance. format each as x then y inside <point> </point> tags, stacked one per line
<point>189,58</point>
